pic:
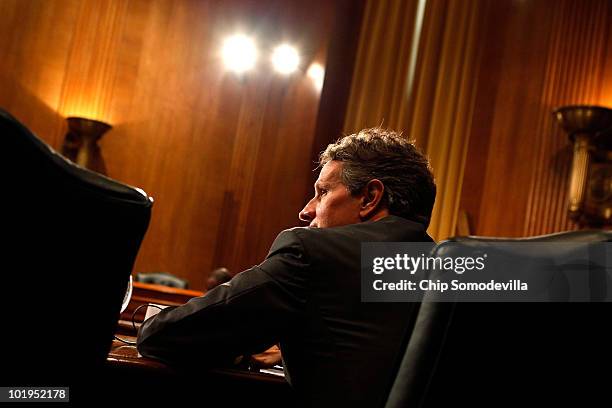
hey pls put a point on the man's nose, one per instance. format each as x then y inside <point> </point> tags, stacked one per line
<point>308,213</point>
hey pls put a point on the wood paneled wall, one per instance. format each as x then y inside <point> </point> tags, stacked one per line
<point>538,55</point>
<point>227,159</point>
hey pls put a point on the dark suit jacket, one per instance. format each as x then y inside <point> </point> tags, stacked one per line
<point>307,296</point>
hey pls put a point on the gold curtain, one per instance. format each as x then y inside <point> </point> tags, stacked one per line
<point>416,71</point>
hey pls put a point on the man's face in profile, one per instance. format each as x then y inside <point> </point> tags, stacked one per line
<point>333,205</point>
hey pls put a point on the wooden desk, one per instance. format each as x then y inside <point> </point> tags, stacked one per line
<point>124,356</point>
<point>142,380</point>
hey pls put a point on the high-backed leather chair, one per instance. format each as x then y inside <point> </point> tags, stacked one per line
<point>492,354</point>
<point>70,240</point>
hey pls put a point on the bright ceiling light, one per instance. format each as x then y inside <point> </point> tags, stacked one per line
<point>317,74</point>
<point>285,59</point>
<point>239,53</point>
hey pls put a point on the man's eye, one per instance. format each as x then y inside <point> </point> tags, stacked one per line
<point>322,192</point>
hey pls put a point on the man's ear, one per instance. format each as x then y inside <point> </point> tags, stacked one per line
<point>371,201</point>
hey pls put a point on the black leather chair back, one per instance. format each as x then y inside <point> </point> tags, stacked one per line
<point>70,241</point>
<point>491,354</point>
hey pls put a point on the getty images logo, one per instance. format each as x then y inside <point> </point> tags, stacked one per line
<point>412,264</point>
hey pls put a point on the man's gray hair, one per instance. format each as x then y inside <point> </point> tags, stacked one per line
<point>385,155</point>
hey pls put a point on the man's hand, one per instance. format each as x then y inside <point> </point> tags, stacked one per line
<point>268,358</point>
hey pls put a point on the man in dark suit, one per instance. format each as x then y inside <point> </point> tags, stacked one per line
<point>306,295</point>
